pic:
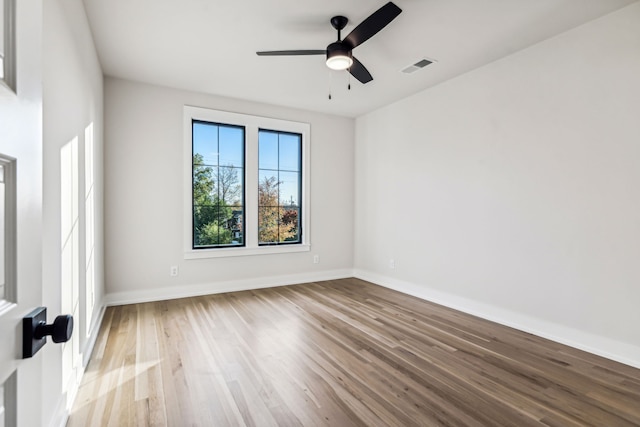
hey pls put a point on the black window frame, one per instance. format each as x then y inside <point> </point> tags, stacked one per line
<point>242,177</point>
<point>300,172</point>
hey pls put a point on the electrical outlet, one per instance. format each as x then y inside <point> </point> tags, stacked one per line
<point>392,264</point>
<point>173,271</point>
<point>316,259</point>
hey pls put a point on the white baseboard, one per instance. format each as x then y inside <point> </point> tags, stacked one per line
<point>622,352</point>
<point>87,351</point>
<point>61,414</point>
<point>602,346</point>
<point>135,297</point>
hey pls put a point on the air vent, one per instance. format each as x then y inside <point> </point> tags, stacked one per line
<point>417,66</point>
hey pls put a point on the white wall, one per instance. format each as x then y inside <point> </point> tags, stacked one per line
<point>143,210</point>
<point>512,191</point>
<point>73,100</point>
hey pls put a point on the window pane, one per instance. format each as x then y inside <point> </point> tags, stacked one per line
<point>289,188</point>
<point>205,143</point>
<point>236,225</point>
<point>268,188</point>
<point>268,150</point>
<point>289,152</point>
<point>230,186</point>
<point>204,185</point>
<point>268,224</point>
<point>290,223</point>
<point>203,216</point>
<point>231,146</point>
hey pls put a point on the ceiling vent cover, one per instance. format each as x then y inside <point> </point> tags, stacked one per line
<point>417,66</point>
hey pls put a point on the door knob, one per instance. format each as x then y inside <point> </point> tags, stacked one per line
<point>35,330</point>
<point>60,330</point>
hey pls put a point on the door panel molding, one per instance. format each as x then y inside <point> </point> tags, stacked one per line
<point>8,242</point>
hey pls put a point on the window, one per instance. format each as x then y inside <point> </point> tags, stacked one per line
<point>280,179</point>
<point>246,184</point>
<point>218,184</point>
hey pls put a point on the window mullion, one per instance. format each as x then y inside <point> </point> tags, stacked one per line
<point>251,187</point>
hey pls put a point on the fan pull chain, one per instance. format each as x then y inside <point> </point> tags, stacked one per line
<point>330,81</point>
<point>349,81</point>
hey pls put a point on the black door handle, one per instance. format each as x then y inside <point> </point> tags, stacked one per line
<point>35,330</point>
<point>60,330</point>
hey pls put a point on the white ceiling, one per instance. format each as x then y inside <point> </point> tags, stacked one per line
<point>209,46</point>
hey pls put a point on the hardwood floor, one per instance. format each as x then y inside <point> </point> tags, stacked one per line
<point>339,353</point>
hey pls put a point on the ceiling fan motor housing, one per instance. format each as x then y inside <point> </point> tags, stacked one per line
<point>338,49</point>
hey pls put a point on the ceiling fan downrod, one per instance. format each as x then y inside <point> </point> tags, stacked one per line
<point>339,22</point>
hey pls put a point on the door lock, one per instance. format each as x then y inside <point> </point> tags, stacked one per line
<point>35,330</point>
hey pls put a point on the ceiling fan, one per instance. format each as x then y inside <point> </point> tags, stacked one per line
<point>339,56</point>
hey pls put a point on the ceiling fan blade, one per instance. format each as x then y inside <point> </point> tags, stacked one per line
<point>359,71</point>
<point>291,52</point>
<point>374,23</point>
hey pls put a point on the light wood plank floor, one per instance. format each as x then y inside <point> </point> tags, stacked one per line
<point>339,353</point>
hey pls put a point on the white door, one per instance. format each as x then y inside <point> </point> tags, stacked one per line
<point>21,215</point>
<point>20,289</point>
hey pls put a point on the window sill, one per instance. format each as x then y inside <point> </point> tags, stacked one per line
<point>244,251</point>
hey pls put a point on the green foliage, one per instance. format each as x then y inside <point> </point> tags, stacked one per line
<point>213,218</point>
<point>213,234</point>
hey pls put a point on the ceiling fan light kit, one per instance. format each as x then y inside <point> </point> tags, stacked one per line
<point>339,53</point>
<point>339,56</point>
